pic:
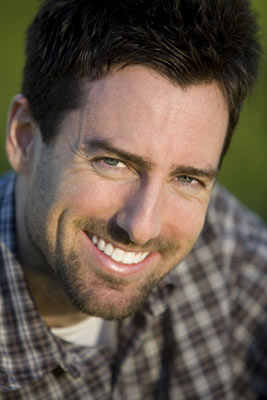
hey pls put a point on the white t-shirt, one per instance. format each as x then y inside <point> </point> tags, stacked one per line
<point>90,332</point>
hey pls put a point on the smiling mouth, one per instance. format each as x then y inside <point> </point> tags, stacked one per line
<point>117,254</point>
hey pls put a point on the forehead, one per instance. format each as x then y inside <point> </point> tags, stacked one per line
<point>143,85</point>
<point>138,109</point>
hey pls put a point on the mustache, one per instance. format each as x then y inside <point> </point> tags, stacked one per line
<point>110,231</point>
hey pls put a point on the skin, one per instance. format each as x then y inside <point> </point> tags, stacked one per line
<point>135,165</point>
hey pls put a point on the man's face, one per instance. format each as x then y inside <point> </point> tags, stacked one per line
<point>121,198</point>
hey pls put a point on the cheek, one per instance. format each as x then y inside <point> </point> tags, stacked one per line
<point>96,196</point>
<point>187,218</point>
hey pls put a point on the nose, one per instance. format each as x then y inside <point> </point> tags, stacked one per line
<point>141,215</point>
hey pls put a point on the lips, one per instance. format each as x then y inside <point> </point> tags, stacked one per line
<point>117,254</point>
<point>102,255</point>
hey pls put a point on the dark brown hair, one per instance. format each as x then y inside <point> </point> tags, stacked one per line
<point>188,41</point>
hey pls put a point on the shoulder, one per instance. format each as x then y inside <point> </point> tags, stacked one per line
<point>241,239</point>
<point>238,232</point>
<point>223,284</point>
<point>7,209</point>
<point>6,182</point>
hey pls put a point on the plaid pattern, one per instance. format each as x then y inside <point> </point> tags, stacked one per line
<point>201,335</point>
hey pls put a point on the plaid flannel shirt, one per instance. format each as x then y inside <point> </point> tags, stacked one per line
<point>202,333</point>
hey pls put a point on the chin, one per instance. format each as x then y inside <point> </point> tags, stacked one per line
<point>103,301</point>
<point>108,304</point>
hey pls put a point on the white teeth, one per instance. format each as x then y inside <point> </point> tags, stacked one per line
<point>143,256</point>
<point>117,255</point>
<point>137,258</point>
<point>101,244</point>
<point>94,239</point>
<point>129,257</point>
<point>108,249</point>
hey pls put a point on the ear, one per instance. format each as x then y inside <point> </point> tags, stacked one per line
<point>21,132</point>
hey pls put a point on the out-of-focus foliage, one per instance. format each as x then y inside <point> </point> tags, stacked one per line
<point>15,15</point>
<point>245,167</point>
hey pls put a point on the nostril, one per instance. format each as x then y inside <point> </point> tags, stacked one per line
<point>117,233</point>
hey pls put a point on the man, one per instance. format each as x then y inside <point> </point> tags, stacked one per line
<point>116,281</point>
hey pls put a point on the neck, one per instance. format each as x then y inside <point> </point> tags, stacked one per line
<point>51,300</point>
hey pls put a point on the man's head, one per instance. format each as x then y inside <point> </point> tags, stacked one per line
<point>187,41</point>
<point>138,96</point>
<point>121,196</point>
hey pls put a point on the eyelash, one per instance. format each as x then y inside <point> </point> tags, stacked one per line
<point>105,160</point>
<point>109,166</point>
<point>192,180</point>
<point>111,159</point>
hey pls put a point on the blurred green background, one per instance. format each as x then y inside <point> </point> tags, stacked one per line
<point>244,171</point>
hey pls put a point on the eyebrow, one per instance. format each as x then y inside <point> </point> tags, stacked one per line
<point>209,173</point>
<point>97,144</point>
<point>104,144</point>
